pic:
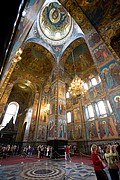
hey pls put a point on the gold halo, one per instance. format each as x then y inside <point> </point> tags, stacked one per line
<point>104,70</point>
<point>111,65</point>
<point>116,97</point>
<point>103,122</point>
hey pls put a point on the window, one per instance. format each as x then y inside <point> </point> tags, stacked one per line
<point>69,117</point>
<point>67,95</point>
<point>85,86</point>
<point>99,79</point>
<point>10,113</point>
<point>89,112</point>
<point>94,82</point>
<point>109,107</point>
<point>100,108</point>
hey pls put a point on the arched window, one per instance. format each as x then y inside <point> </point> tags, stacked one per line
<point>69,117</point>
<point>10,113</point>
<point>85,86</point>
<point>94,82</point>
<point>89,112</point>
<point>67,95</point>
<point>100,108</point>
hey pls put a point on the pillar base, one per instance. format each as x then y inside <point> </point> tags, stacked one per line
<point>58,148</point>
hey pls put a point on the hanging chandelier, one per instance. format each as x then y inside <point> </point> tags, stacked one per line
<point>77,86</point>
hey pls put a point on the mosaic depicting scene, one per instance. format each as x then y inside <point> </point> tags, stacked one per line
<point>76,114</point>
<point>70,132</point>
<point>94,39</point>
<point>99,13</point>
<point>42,129</point>
<point>92,93</point>
<point>82,57</point>
<point>55,22</point>
<point>116,103</point>
<point>53,90</point>
<point>62,128</point>
<point>110,73</point>
<point>61,107</point>
<point>61,90</point>
<point>52,106</point>
<point>101,129</point>
<point>44,112</point>
<point>78,131</point>
<point>101,54</point>
<point>51,126</point>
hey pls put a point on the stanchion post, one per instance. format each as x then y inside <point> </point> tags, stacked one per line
<point>81,158</point>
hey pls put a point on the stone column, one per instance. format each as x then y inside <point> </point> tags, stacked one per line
<point>57,124</point>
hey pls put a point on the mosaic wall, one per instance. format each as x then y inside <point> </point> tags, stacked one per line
<point>110,73</point>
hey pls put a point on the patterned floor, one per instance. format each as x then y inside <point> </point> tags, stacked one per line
<point>47,170</point>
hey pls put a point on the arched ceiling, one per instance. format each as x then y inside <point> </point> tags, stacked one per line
<point>21,93</point>
<point>39,62</point>
<point>36,60</point>
<point>77,58</point>
<point>103,15</point>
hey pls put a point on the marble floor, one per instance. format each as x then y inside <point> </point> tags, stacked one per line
<point>47,170</point>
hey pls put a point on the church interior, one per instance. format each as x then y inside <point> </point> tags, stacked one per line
<point>60,83</point>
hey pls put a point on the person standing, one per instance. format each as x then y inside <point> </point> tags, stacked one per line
<point>41,151</point>
<point>65,153</point>
<point>97,164</point>
<point>111,158</point>
<point>38,151</point>
<point>67,150</point>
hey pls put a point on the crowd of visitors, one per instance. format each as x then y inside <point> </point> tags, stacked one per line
<point>43,150</point>
<point>8,150</point>
<point>108,155</point>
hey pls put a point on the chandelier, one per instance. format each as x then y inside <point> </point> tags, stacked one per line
<point>77,85</point>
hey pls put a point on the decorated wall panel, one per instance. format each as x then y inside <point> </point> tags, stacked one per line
<point>116,104</point>
<point>70,132</point>
<point>62,128</point>
<point>101,54</point>
<point>51,127</point>
<point>111,73</point>
<point>102,129</point>
<point>42,132</point>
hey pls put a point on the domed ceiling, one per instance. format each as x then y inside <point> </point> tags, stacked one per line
<point>54,21</point>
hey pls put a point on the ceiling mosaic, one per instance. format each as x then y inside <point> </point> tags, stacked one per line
<point>77,58</point>
<point>37,60</point>
<point>54,21</point>
<point>100,12</point>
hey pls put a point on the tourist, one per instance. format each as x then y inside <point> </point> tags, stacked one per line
<point>97,163</point>
<point>111,158</point>
<point>38,151</point>
<point>67,150</point>
<point>41,151</point>
<point>51,151</point>
<point>65,153</point>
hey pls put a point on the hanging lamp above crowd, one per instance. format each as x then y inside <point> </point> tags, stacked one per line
<point>77,85</point>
